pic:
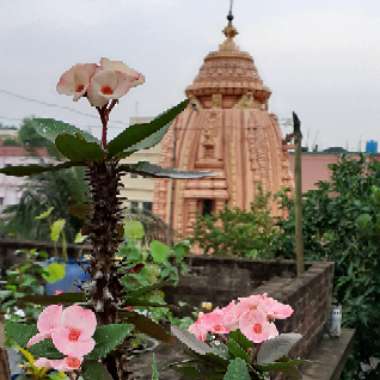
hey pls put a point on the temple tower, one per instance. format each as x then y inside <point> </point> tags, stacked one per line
<point>228,130</point>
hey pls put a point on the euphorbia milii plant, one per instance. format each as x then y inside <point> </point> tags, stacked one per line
<point>240,341</point>
<point>103,85</point>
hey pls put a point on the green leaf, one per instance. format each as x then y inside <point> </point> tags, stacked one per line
<point>19,333</point>
<point>160,252</point>
<point>44,300</point>
<point>56,229</point>
<point>285,366</point>
<point>93,370</point>
<point>45,214</point>
<point>51,128</point>
<point>79,238</point>
<point>134,230</point>
<point>155,375</point>
<point>245,343</point>
<point>143,290</point>
<point>76,148</point>
<point>54,272</point>
<point>107,338</point>
<point>236,350</point>
<point>58,376</point>
<point>137,133</point>
<point>274,349</point>
<point>45,349</point>
<point>147,169</point>
<point>147,143</point>
<point>237,370</point>
<point>148,327</point>
<point>33,169</point>
<point>190,341</point>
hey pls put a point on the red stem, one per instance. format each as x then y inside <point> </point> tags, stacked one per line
<point>104,135</point>
<point>104,113</point>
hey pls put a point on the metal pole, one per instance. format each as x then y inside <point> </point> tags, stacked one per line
<point>299,243</point>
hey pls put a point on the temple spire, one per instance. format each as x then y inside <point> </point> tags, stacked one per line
<point>230,31</point>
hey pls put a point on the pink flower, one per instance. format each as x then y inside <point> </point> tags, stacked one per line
<point>276,309</point>
<point>66,364</point>
<point>199,330</point>
<point>47,322</point>
<point>73,337</point>
<point>135,76</point>
<point>209,322</point>
<point>112,81</point>
<point>255,326</point>
<point>231,315</point>
<point>76,80</point>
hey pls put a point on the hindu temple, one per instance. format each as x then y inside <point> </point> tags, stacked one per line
<point>228,130</point>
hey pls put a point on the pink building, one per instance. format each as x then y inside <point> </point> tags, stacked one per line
<point>315,167</point>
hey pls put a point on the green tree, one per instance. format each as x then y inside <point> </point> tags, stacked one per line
<point>342,224</point>
<point>30,139</point>
<point>64,191</point>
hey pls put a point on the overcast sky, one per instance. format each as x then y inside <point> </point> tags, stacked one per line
<point>319,57</point>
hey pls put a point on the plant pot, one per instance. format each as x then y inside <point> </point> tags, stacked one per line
<point>75,275</point>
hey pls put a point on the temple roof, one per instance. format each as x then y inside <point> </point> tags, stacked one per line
<point>229,71</point>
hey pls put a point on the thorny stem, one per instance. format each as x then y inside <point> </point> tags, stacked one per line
<point>105,230</point>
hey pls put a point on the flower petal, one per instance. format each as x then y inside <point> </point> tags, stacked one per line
<point>43,363</point>
<point>66,364</point>
<point>38,338</point>
<point>68,347</point>
<point>50,318</point>
<point>79,318</point>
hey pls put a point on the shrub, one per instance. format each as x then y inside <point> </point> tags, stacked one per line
<point>342,224</point>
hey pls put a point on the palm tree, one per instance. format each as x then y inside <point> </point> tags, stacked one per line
<point>63,190</point>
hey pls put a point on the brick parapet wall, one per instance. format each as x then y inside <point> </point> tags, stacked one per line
<point>310,296</point>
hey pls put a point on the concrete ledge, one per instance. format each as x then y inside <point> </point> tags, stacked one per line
<point>329,357</point>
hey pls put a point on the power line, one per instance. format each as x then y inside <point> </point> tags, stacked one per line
<point>54,105</point>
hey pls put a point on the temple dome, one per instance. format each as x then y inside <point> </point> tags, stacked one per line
<point>227,130</point>
<point>228,71</point>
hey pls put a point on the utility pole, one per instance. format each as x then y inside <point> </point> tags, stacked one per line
<point>173,181</point>
<point>299,243</point>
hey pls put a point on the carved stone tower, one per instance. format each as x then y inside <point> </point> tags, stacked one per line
<point>228,130</point>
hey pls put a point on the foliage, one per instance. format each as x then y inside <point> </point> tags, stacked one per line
<point>25,278</point>
<point>31,139</point>
<point>22,279</point>
<point>146,268</point>
<point>62,191</point>
<point>342,224</point>
<point>107,338</point>
<point>236,232</point>
<point>9,141</point>
<point>236,358</point>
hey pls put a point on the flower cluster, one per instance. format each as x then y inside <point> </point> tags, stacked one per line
<point>253,315</point>
<point>110,80</point>
<point>71,332</point>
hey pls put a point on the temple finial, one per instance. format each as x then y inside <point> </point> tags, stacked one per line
<point>230,31</point>
<point>230,16</point>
